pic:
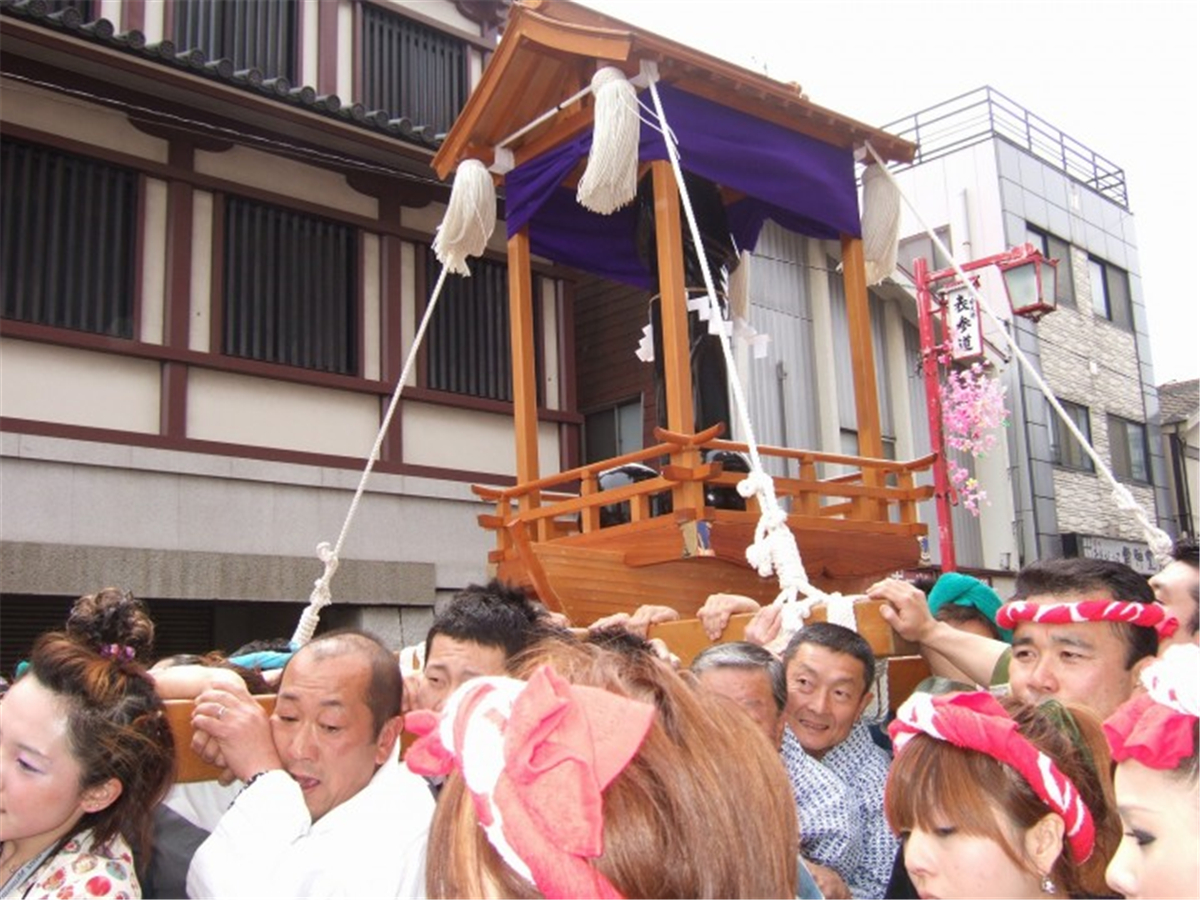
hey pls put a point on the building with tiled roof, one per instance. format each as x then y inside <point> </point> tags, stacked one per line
<point>1179,406</point>
<point>217,221</point>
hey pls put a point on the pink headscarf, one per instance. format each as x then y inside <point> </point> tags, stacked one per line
<point>536,757</point>
<point>977,721</point>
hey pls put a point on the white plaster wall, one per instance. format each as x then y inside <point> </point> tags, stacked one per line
<point>308,41</point>
<point>55,490</point>
<point>470,440</point>
<point>408,305</point>
<point>371,298</point>
<point>242,409</point>
<point>823,344</point>
<point>78,387</point>
<point>154,260</point>
<point>442,10</point>
<point>345,58</point>
<point>24,104</point>
<point>287,178</point>
<point>938,187</point>
<point>155,21</point>
<point>550,353</point>
<point>200,314</point>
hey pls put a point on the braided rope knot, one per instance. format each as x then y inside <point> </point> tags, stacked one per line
<point>319,598</point>
<point>1158,540</point>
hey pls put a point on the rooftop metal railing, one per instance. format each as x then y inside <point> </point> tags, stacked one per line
<point>984,113</point>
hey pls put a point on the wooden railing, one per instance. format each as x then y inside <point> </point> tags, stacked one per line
<point>569,502</point>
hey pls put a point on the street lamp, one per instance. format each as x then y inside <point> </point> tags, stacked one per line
<point>1030,280</point>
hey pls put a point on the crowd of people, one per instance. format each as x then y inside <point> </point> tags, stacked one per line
<point>1054,752</point>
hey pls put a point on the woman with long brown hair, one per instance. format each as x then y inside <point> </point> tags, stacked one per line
<point>625,783</point>
<point>85,755</point>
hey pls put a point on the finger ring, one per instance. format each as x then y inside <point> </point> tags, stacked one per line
<point>220,712</point>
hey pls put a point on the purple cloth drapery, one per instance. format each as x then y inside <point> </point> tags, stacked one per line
<point>801,183</point>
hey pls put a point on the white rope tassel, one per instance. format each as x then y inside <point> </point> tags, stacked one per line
<point>470,217</point>
<point>318,599</point>
<point>880,224</point>
<point>610,179</point>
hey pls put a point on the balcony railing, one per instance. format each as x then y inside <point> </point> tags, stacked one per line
<point>985,113</point>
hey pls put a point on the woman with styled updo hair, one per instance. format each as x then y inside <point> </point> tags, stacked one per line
<point>86,754</point>
<point>1000,798</point>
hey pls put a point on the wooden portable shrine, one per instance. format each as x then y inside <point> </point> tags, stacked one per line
<point>851,529</point>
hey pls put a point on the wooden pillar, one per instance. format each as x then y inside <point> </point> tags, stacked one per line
<point>677,365</point>
<point>524,370</point>
<point>862,356</point>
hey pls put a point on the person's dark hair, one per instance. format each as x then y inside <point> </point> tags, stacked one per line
<point>953,614</point>
<point>744,655</point>
<point>495,614</point>
<point>931,781</point>
<point>1186,550</point>
<point>384,687</point>
<point>619,640</point>
<point>1079,576</point>
<point>112,616</point>
<point>116,723</point>
<point>839,639</point>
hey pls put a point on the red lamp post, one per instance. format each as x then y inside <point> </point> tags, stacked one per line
<point>1030,280</point>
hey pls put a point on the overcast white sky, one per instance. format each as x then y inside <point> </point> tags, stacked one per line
<point>1120,76</point>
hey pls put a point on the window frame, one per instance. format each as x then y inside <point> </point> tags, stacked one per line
<point>1062,440</point>
<point>234,242</point>
<point>1123,463</point>
<point>1064,295</point>
<point>74,263</point>
<point>1118,310</point>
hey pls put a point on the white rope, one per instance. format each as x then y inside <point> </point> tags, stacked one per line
<point>1157,539</point>
<point>321,595</point>
<point>774,549</point>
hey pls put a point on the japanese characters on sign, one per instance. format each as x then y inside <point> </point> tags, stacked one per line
<point>964,330</point>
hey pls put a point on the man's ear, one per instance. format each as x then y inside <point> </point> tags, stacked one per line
<point>385,744</point>
<point>102,796</point>
<point>868,696</point>
<point>1044,842</point>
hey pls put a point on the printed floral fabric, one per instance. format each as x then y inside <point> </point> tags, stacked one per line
<point>830,830</point>
<point>81,870</point>
<point>863,766</point>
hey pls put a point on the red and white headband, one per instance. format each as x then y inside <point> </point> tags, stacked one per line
<point>536,757</point>
<point>1158,728</point>
<point>977,721</point>
<point>1146,615</point>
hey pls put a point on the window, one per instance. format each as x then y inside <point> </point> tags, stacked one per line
<point>613,432</point>
<point>1065,450</point>
<point>68,231</point>
<point>411,70</point>
<point>1056,248</point>
<point>252,34</point>
<point>291,288</point>
<point>1127,449</point>
<point>468,347</point>
<point>1110,292</point>
<point>920,245</point>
